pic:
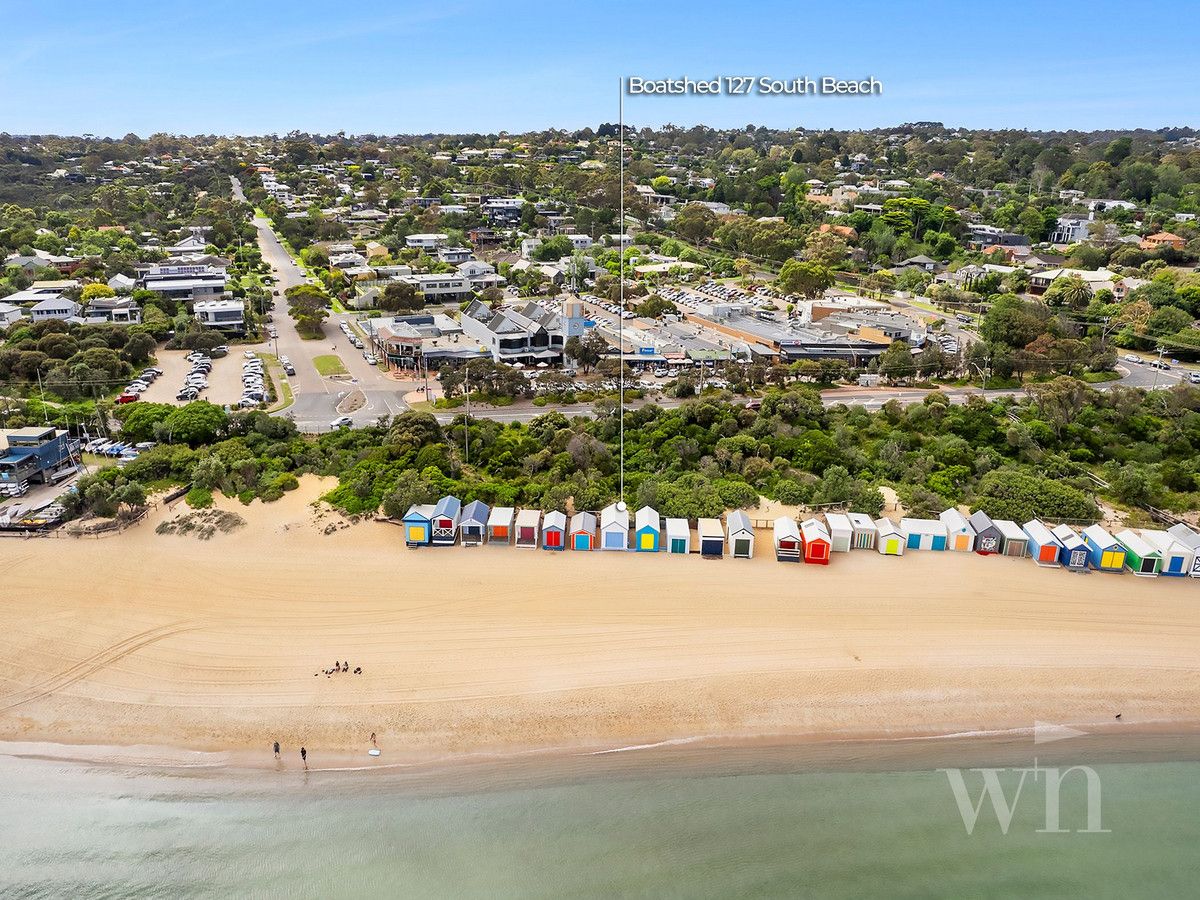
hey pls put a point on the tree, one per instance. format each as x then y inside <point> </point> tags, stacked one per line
<point>92,291</point>
<point>695,222</point>
<point>199,422</point>
<point>400,296</point>
<point>808,279</point>
<point>588,351</point>
<point>309,306</point>
<point>896,361</point>
<point>1061,401</point>
<point>139,347</point>
<point>1072,291</point>
<point>138,420</point>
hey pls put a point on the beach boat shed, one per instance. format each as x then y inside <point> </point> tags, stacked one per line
<point>1140,556</point>
<point>841,532</point>
<point>1016,541</point>
<point>865,533</point>
<point>445,521</point>
<point>741,534</point>
<point>889,538</point>
<point>500,525</point>
<point>788,546</point>
<point>988,538</point>
<point>554,531</point>
<point>1104,551</point>
<point>472,526</point>
<point>817,544</point>
<point>1044,547</point>
<point>647,534</point>
<point>418,529</point>
<point>712,538</point>
<point>528,527</point>
<point>959,533</point>
<point>583,531</point>
<point>614,527</point>
<point>923,534</point>
<point>1074,552</point>
<point>679,536</point>
<point>1191,540</point>
<point>1177,557</point>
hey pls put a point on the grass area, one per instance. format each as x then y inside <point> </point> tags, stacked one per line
<point>336,304</point>
<point>279,384</point>
<point>330,364</point>
<point>1100,377</point>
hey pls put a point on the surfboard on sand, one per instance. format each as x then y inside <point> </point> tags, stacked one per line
<point>373,752</point>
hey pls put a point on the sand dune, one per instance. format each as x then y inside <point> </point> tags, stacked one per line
<point>151,639</point>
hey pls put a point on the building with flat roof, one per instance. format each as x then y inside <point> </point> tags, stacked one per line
<point>34,454</point>
<point>200,282</point>
<point>227,314</point>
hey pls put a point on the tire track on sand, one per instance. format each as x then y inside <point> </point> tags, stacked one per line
<point>92,664</point>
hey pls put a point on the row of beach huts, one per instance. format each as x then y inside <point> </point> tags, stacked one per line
<point>1174,551</point>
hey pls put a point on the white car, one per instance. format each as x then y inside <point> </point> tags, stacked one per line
<point>1129,357</point>
<point>341,422</point>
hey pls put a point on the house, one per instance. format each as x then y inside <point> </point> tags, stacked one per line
<point>529,335</point>
<point>741,534</point>
<point>500,526</point>
<point>472,526</point>
<point>988,538</point>
<point>1162,239</point>
<point>122,283</point>
<point>454,255</point>
<point>528,527</point>
<point>1140,556</point>
<point>186,282</point>
<point>647,534</point>
<point>959,533</point>
<point>55,308</point>
<point>38,454</point>
<point>439,288</point>
<point>788,545</point>
<point>224,314</point>
<point>1070,230</point>
<point>712,538</point>
<point>679,536</point>
<point>118,310</point>
<point>554,531</point>
<point>1044,547</point>
<point>889,538</point>
<point>1014,541</point>
<point>923,534</point>
<point>841,532</point>
<point>614,527</point>
<point>1074,553</point>
<point>924,263</point>
<point>425,242</point>
<point>583,531</point>
<point>816,542</point>
<point>1177,558</point>
<point>9,314</point>
<point>1104,551</point>
<point>866,533</point>
<point>1191,540</point>
<point>418,531</point>
<point>445,521</point>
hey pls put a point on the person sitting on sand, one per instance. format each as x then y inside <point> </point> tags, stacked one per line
<point>337,666</point>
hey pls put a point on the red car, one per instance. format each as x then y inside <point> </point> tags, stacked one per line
<point>127,398</point>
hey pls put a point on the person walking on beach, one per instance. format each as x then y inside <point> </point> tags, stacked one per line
<point>277,749</point>
<point>373,744</point>
<point>304,757</point>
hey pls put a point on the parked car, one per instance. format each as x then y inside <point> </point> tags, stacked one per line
<point>1131,358</point>
<point>341,422</point>
<point>127,398</point>
<point>1194,377</point>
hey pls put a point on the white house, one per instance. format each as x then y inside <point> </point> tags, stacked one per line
<point>425,241</point>
<point>227,314</point>
<point>9,314</point>
<point>55,308</point>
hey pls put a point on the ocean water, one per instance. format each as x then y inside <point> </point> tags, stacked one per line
<point>748,824</point>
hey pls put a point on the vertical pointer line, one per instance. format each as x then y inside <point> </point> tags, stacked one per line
<point>621,276</point>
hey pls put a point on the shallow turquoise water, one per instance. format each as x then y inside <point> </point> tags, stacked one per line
<point>76,831</point>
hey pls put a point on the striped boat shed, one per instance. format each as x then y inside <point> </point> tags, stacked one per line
<point>741,534</point>
<point>614,527</point>
<point>1044,546</point>
<point>1074,554</point>
<point>679,536</point>
<point>472,526</point>
<point>418,530</point>
<point>528,528</point>
<point>445,520</point>
<point>1191,540</point>
<point>959,533</point>
<point>788,546</point>
<point>554,531</point>
<point>647,530</point>
<point>712,538</point>
<point>500,525</point>
<point>865,532</point>
<point>583,531</point>
<point>889,538</point>
<point>816,542</point>
<point>988,538</point>
<point>841,532</point>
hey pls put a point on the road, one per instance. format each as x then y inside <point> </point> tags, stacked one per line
<point>319,400</point>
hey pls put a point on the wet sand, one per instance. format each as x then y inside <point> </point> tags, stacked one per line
<point>218,645</point>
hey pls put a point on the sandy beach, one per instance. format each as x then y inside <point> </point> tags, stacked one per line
<point>219,645</point>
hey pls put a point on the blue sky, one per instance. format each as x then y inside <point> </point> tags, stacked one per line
<point>251,67</point>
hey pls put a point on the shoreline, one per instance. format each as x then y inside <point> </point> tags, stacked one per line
<point>218,646</point>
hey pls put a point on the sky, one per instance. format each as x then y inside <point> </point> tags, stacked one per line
<point>264,66</point>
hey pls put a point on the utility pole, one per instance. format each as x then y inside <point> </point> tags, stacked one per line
<point>1158,366</point>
